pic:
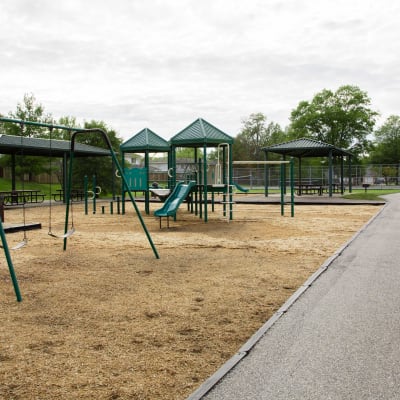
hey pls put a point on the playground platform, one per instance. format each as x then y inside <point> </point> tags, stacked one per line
<point>337,337</point>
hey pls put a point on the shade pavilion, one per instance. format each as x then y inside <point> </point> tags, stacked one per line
<point>305,147</point>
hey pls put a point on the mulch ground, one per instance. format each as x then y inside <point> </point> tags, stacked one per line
<point>105,319</point>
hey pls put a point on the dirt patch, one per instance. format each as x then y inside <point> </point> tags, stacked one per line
<point>106,320</point>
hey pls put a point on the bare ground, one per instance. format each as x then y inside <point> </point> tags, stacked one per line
<point>105,319</point>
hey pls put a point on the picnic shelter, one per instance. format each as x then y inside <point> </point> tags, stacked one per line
<point>305,147</point>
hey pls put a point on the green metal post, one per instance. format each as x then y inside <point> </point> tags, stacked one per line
<point>9,262</point>
<point>122,184</point>
<point>67,193</point>
<point>350,177</point>
<point>330,173</point>
<point>85,192</point>
<point>94,184</point>
<point>292,186</point>
<point>283,186</point>
<point>147,192</point>
<point>200,181</point>
<point>205,185</point>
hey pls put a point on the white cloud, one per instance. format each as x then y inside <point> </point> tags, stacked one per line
<point>161,64</point>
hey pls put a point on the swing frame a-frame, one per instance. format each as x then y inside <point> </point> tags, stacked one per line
<point>68,191</point>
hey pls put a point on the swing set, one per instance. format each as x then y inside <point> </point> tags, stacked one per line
<point>69,228</point>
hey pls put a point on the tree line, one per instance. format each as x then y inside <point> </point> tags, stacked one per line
<point>31,110</point>
<point>343,118</point>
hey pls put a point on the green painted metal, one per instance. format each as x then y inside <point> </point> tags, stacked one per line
<point>9,262</point>
<point>283,185</point>
<point>41,124</point>
<point>136,178</point>
<point>121,173</point>
<point>175,199</point>
<point>306,147</point>
<point>68,197</point>
<point>94,186</point>
<point>200,132</point>
<point>145,140</point>
<point>292,187</point>
<point>85,191</point>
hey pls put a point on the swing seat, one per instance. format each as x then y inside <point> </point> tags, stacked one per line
<point>66,234</point>
<point>20,245</point>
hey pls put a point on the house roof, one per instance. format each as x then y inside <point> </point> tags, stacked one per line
<point>145,140</point>
<point>22,145</point>
<point>200,132</point>
<point>306,147</point>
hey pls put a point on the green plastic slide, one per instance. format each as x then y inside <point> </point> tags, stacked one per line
<point>175,199</point>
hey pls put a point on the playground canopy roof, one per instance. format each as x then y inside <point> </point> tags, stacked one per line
<point>306,148</point>
<point>145,140</point>
<point>44,147</point>
<point>200,133</point>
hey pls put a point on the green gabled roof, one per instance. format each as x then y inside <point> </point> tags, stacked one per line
<point>10,144</point>
<point>200,132</point>
<point>306,147</point>
<point>145,140</point>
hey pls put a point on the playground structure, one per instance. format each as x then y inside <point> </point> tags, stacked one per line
<point>200,136</point>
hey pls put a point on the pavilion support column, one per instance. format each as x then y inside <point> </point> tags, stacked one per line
<point>341,174</point>
<point>330,173</point>
<point>300,178</point>
<point>147,192</point>
<point>284,174</point>
<point>350,177</point>
<point>205,183</point>
<point>230,181</point>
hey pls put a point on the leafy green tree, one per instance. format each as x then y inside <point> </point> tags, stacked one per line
<point>28,110</point>
<point>343,118</point>
<point>255,134</point>
<point>387,147</point>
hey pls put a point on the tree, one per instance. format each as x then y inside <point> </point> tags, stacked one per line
<point>387,147</point>
<point>343,118</point>
<point>254,135</point>
<point>28,110</point>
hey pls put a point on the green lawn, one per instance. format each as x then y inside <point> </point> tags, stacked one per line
<point>370,194</point>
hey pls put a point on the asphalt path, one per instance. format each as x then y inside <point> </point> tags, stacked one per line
<point>337,338</point>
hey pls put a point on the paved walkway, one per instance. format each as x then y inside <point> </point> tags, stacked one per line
<point>337,338</point>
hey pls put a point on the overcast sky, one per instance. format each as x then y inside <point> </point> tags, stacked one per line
<point>161,64</point>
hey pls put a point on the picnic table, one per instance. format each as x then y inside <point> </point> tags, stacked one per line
<point>312,188</point>
<point>76,195</point>
<point>309,189</point>
<point>15,197</point>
